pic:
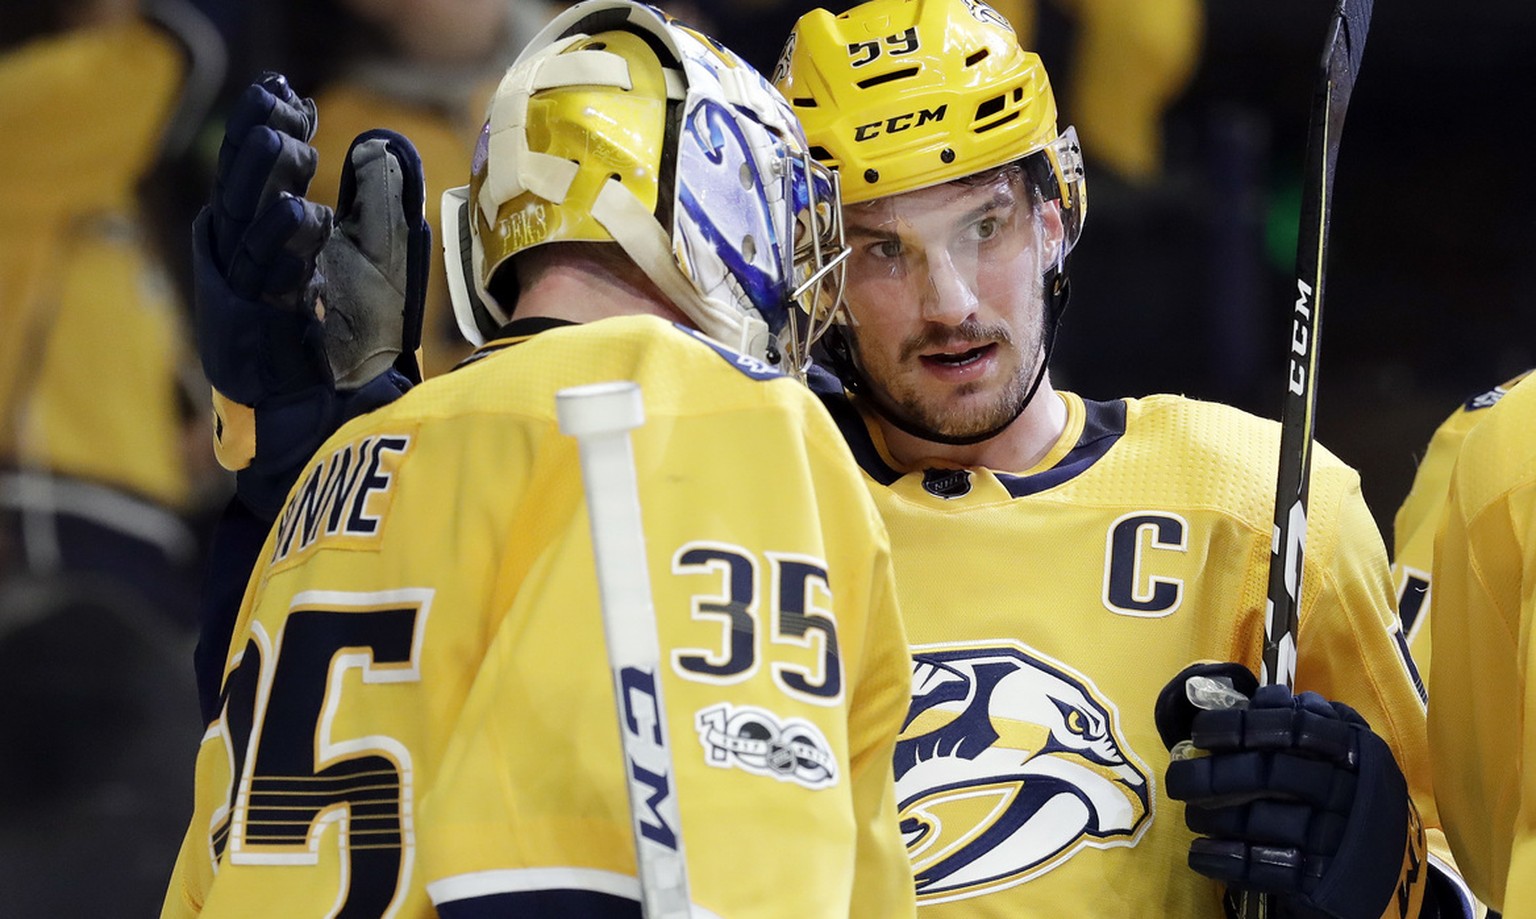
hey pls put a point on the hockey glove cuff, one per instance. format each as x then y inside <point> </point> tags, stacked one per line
<point>290,428</point>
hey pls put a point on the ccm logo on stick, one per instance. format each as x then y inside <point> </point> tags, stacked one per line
<point>1299,339</point>
<point>642,720</point>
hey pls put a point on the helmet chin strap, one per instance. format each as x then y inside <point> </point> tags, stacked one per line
<point>841,354</point>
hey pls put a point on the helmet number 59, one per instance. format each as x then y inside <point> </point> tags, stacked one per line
<point>867,52</point>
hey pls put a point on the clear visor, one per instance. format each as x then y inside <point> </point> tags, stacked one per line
<point>953,253</point>
<point>1059,166</point>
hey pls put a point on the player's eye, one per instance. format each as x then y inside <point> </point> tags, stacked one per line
<point>987,227</point>
<point>886,248</point>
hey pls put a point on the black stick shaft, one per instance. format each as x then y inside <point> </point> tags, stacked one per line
<point>1335,84</point>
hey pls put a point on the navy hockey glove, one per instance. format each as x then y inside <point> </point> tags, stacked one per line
<point>301,328</point>
<point>265,235</point>
<point>254,250</point>
<point>1295,797</point>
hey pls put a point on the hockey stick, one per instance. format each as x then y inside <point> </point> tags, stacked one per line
<point>1340,65</point>
<point>600,417</point>
<point>1330,98</point>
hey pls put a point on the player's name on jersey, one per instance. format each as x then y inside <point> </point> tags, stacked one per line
<point>344,496</point>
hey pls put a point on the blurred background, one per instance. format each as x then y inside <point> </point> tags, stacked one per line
<point>1193,119</point>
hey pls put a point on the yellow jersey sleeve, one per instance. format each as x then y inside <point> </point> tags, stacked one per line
<point>1418,518</point>
<point>1480,704</point>
<point>86,299</point>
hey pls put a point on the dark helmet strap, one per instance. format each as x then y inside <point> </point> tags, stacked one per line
<point>1057,292</point>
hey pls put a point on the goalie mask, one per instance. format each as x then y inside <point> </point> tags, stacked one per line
<point>619,124</point>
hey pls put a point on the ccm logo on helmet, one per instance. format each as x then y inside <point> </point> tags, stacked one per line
<point>899,123</point>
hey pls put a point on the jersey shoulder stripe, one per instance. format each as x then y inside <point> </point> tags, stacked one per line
<point>830,390</point>
<point>1490,398</point>
<point>745,364</point>
<point>1103,426</point>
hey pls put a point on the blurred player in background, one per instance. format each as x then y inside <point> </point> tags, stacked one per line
<point>1420,515</point>
<point>1058,559</point>
<point>98,473</point>
<point>415,711</point>
<point>1480,718</point>
<point>102,453</point>
<point>425,69</point>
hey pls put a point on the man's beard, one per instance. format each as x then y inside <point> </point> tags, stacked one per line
<point>936,419</point>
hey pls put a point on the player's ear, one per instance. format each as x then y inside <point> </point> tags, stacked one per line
<point>1053,232</point>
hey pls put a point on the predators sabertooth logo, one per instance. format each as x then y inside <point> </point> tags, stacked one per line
<point>1009,764</point>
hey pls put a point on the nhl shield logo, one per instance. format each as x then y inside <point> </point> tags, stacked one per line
<point>1009,764</point>
<point>947,483</point>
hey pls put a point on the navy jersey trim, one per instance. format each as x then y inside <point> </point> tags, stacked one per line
<point>745,364</point>
<point>1449,892</point>
<point>1487,399</point>
<point>1409,665</point>
<point>829,389</point>
<point>519,329</point>
<point>1490,398</point>
<point>547,904</point>
<point>1103,426</point>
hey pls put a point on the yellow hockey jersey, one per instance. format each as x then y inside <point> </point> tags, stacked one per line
<point>1048,607</point>
<point>1481,719</point>
<point>417,701</point>
<point>93,342</point>
<point>1413,529</point>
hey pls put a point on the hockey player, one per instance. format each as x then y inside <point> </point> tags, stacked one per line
<point>1480,718</point>
<point>416,711</point>
<point>1059,559</point>
<point>1413,529</point>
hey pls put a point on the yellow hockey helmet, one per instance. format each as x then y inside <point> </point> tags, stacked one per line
<point>899,95</point>
<point>618,124</point>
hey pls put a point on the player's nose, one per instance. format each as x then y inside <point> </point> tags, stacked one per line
<point>950,297</point>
